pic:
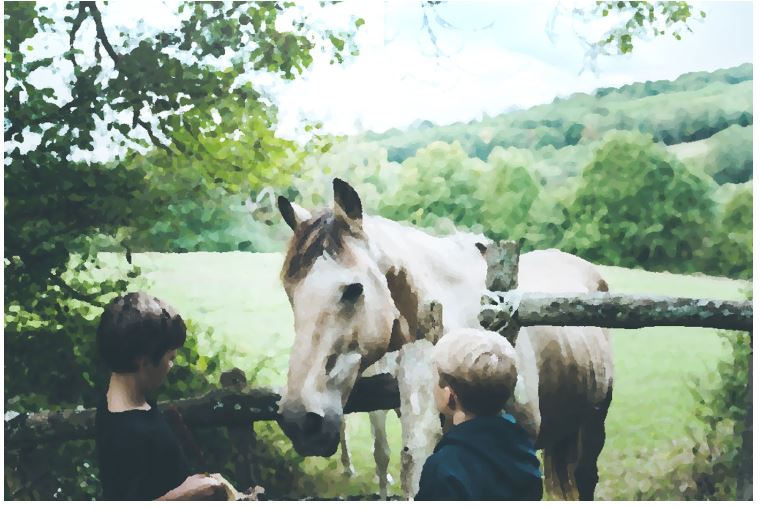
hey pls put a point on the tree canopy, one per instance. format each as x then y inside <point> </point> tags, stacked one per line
<point>183,123</point>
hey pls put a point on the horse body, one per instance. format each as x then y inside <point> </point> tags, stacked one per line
<point>570,377</point>
<point>357,284</point>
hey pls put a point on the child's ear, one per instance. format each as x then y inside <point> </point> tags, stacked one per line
<point>451,399</point>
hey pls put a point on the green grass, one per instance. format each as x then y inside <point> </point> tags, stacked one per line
<point>652,405</point>
<point>239,295</point>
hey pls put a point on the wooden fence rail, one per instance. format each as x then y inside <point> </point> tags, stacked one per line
<point>609,310</point>
<point>220,408</point>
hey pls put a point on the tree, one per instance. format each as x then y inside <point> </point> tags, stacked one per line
<point>730,156</point>
<point>164,90</point>
<point>638,206</point>
<point>437,188</point>
<point>733,250</point>
<point>506,191</point>
<point>631,21</point>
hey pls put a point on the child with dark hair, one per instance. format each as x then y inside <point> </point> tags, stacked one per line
<point>139,457</point>
<point>485,455</point>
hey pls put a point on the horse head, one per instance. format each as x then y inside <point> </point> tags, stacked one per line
<point>344,315</point>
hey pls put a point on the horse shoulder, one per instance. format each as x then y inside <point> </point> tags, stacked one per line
<point>450,270</point>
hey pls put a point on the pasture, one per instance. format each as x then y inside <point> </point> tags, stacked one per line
<point>239,295</point>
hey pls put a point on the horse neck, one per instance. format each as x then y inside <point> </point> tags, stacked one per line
<point>401,248</point>
<point>444,269</point>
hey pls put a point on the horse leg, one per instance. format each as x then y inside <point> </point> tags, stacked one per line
<point>386,365</point>
<point>381,451</point>
<point>592,441</point>
<point>345,455</point>
<point>559,465</point>
<point>421,428</point>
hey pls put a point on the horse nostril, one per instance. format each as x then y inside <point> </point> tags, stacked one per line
<point>312,424</point>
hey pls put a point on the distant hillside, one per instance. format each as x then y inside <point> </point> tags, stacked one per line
<point>693,107</point>
<point>727,156</point>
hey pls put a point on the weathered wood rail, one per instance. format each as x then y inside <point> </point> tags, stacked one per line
<point>220,408</point>
<point>609,310</point>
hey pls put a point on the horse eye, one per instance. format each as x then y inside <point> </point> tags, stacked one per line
<point>352,293</point>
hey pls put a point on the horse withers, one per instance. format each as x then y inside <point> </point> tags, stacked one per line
<point>357,284</point>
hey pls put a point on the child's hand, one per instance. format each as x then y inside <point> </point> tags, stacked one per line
<point>198,486</point>
<point>226,491</point>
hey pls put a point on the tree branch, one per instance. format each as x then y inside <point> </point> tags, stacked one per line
<point>75,25</point>
<point>116,58</point>
<point>52,116</point>
<point>101,32</point>
<point>136,120</point>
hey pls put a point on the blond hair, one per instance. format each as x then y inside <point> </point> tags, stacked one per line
<point>479,366</point>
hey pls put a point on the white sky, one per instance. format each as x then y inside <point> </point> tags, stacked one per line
<point>396,79</point>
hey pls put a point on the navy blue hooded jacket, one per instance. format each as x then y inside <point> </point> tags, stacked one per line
<point>485,458</point>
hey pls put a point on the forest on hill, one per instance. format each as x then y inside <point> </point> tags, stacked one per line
<point>656,175</point>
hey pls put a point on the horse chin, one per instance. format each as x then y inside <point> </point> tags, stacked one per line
<point>324,448</point>
<point>320,438</point>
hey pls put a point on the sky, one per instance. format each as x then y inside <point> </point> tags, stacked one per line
<point>495,56</point>
<point>499,57</point>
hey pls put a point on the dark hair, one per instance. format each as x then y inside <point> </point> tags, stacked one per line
<point>479,399</point>
<point>324,234</point>
<point>135,325</point>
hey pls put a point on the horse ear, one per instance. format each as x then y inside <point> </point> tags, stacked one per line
<point>293,214</point>
<point>347,204</point>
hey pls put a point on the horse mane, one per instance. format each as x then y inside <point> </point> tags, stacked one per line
<point>325,233</point>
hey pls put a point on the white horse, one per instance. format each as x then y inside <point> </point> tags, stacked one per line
<point>357,285</point>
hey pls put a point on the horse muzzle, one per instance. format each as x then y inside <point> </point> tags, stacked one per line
<point>312,435</point>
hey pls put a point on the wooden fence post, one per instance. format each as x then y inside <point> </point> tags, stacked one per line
<point>421,427</point>
<point>242,437</point>
<point>501,276</point>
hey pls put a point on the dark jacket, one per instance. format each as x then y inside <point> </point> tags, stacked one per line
<point>486,458</point>
<point>139,456</point>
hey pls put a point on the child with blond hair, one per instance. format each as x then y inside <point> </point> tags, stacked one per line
<point>486,455</point>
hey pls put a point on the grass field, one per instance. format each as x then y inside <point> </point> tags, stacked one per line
<point>239,295</point>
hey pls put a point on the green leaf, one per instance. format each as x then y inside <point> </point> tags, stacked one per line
<point>338,43</point>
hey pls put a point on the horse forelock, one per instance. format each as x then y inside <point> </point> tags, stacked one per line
<point>326,233</point>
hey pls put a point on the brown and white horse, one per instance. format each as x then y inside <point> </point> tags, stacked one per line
<point>357,283</point>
